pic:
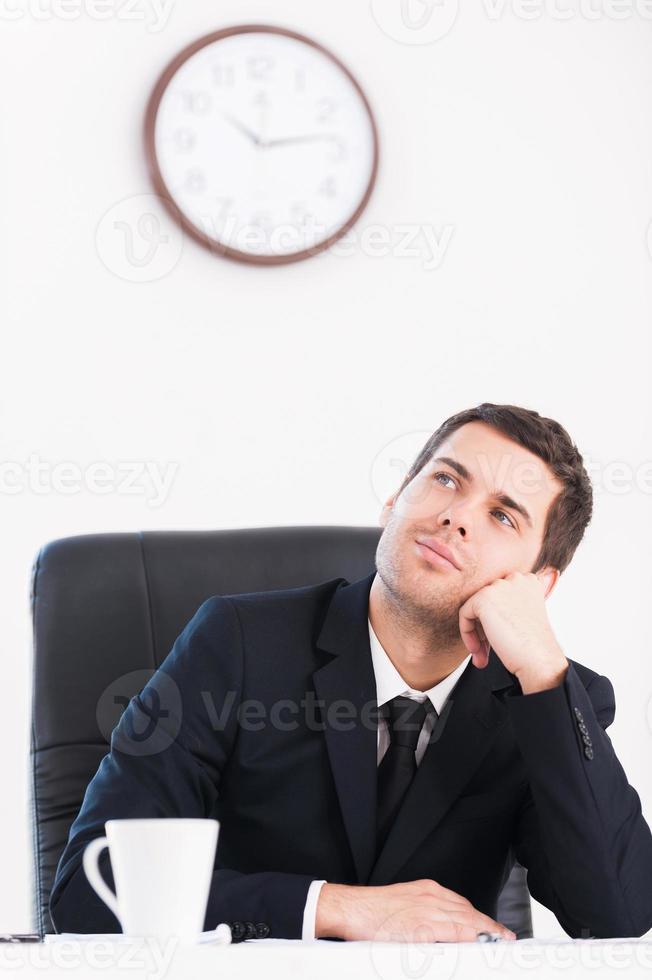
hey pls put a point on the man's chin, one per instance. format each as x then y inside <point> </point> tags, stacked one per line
<point>435,603</point>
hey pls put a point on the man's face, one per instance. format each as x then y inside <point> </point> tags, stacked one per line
<point>456,502</point>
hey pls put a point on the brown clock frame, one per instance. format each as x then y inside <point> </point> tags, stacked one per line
<point>166,197</point>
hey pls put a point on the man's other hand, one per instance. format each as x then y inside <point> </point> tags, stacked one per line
<point>413,911</point>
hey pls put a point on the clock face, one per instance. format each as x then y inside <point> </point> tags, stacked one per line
<point>262,144</point>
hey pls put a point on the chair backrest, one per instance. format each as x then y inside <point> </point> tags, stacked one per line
<point>107,609</point>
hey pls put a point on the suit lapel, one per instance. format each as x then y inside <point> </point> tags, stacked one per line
<point>462,739</point>
<point>352,746</point>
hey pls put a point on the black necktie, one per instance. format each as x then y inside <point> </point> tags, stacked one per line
<point>405,718</point>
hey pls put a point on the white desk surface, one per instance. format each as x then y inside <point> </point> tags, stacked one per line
<point>114,957</point>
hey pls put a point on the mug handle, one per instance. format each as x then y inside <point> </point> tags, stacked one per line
<point>91,868</point>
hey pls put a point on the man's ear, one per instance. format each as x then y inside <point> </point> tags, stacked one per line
<point>387,509</point>
<point>549,576</point>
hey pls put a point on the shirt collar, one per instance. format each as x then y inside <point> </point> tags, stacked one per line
<point>390,684</point>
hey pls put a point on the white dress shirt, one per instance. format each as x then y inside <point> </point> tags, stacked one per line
<point>389,684</point>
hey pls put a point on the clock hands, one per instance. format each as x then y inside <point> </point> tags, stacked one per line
<point>249,133</point>
<point>317,137</point>
<point>283,141</point>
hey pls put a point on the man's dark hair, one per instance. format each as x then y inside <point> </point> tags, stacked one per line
<point>570,512</point>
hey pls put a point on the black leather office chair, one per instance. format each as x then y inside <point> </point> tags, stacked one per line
<point>108,607</point>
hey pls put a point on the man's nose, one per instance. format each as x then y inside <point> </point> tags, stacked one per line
<point>458,519</point>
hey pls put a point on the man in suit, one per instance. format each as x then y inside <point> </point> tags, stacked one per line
<point>379,752</point>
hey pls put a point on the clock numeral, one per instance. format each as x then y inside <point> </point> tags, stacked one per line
<point>262,220</point>
<point>326,109</point>
<point>300,215</point>
<point>224,208</point>
<point>184,139</point>
<point>328,187</point>
<point>260,67</point>
<point>258,231</point>
<point>337,151</point>
<point>298,211</point>
<point>195,181</point>
<point>199,103</point>
<point>223,75</point>
<point>261,99</point>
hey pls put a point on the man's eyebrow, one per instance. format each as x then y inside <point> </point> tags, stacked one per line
<point>502,498</point>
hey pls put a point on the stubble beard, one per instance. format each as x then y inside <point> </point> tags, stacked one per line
<point>420,611</point>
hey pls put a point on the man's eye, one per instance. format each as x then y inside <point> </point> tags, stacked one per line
<point>509,520</point>
<point>445,475</point>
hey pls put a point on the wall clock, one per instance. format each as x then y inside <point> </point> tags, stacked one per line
<point>261,144</point>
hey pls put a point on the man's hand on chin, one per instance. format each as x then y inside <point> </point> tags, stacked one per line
<point>510,615</point>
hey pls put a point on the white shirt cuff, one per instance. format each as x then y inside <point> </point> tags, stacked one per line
<point>310,911</point>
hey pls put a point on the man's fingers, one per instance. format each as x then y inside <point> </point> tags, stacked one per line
<point>456,932</point>
<point>449,916</point>
<point>452,931</point>
<point>469,635</point>
<point>478,921</point>
<point>486,924</point>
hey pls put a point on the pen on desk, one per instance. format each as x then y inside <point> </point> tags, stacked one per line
<point>19,937</point>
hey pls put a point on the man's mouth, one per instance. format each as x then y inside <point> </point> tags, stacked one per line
<point>437,553</point>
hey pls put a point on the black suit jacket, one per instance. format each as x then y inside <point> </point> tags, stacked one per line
<point>262,716</point>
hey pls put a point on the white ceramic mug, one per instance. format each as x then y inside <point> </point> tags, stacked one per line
<point>162,870</point>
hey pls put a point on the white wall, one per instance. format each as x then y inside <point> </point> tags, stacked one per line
<point>283,395</point>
